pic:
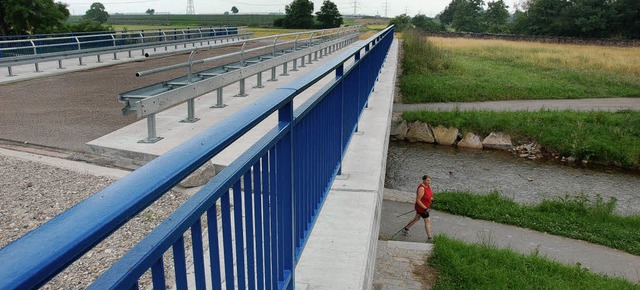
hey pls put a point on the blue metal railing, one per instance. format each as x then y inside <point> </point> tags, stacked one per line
<point>104,40</point>
<point>267,199</point>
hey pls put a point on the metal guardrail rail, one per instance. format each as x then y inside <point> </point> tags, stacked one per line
<point>277,187</point>
<point>97,45</point>
<point>148,101</point>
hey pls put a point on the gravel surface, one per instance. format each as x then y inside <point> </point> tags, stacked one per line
<point>32,193</point>
<point>522,180</point>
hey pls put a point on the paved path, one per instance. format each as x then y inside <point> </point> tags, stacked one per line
<point>594,257</point>
<point>612,104</point>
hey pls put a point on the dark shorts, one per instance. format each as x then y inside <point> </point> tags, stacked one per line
<point>424,215</point>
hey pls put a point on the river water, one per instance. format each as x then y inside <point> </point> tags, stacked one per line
<point>524,181</point>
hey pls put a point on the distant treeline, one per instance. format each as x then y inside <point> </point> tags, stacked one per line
<point>542,38</point>
<point>259,20</point>
<point>618,19</point>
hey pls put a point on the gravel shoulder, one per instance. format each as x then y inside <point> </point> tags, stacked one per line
<point>31,193</point>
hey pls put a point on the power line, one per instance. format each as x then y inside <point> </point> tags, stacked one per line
<point>386,8</point>
<point>190,9</point>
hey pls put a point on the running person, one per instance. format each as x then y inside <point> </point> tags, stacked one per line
<point>424,198</point>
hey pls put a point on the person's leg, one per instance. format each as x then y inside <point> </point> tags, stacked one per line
<point>427,227</point>
<point>413,221</point>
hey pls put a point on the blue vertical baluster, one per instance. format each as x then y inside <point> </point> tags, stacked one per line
<point>257,208</point>
<point>198,254</point>
<point>179,263</point>
<point>157,274</point>
<point>214,246</point>
<point>251,280</point>
<point>268,233</point>
<point>276,263</point>
<point>225,205</point>
<point>237,224</point>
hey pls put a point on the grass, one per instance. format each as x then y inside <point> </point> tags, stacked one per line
<point>606,138</point>
<point>575,217</point>
<point>482,70</point>
<point>462,266</point>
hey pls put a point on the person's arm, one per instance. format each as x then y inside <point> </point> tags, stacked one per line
<point>419,197</point>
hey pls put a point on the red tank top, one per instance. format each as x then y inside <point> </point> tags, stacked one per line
<point>426,198</point>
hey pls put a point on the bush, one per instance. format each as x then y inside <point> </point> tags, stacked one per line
<point>421,55</point>
<point>278,22</point>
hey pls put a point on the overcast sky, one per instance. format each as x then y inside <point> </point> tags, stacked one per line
<point>367,7</point>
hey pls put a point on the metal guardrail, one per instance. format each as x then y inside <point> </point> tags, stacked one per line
<point>277,187</point>
<point>97,45</point>
<point>148,101</point>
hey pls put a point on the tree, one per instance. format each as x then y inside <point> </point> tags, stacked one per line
<point>97,13</point>
<point>299,14</point>
<point>591,18</point>
<point>543,17</point>
<point>150,11</point>
<point>467,16</point>
<point>329,16</point>
<point>234,10</point>
<point>626,19</point>
<point>18,17</point>
<point>425,23</point>
<point>401,22</point>
<point>496,16</point>
<point>446,16</point>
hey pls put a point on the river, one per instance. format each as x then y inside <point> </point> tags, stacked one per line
<point>524,181</point>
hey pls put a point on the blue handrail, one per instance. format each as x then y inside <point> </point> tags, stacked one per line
<point>267,199</point>
<point>102,40</point>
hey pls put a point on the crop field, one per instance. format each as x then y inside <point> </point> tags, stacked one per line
<point>482,70</point>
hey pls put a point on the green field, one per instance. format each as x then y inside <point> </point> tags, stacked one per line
<point>483,70</point>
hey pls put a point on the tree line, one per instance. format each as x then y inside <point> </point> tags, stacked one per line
<point>571,18</point>
<point>299,14</point>
<point>22,17</point>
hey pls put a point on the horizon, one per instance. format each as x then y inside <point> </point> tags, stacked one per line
<point>204,7</point>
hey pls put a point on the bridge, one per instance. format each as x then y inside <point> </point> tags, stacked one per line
<point>297,206</point>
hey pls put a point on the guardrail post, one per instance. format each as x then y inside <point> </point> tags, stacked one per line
<point>35,50</point>
<point>37,67</point>
<point>191,104</point>
<point>242,90</point>
<point>219,103</point>
<point>80,61</point>
<point>99,60</point>
<point>284,69</point>
<point>60,64</point>
<point>259,81</point>
<point>151,130</point>
<point>273,75</point>
<point>275,40</point>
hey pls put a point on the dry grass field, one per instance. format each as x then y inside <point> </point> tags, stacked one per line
<point>617,60</point>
